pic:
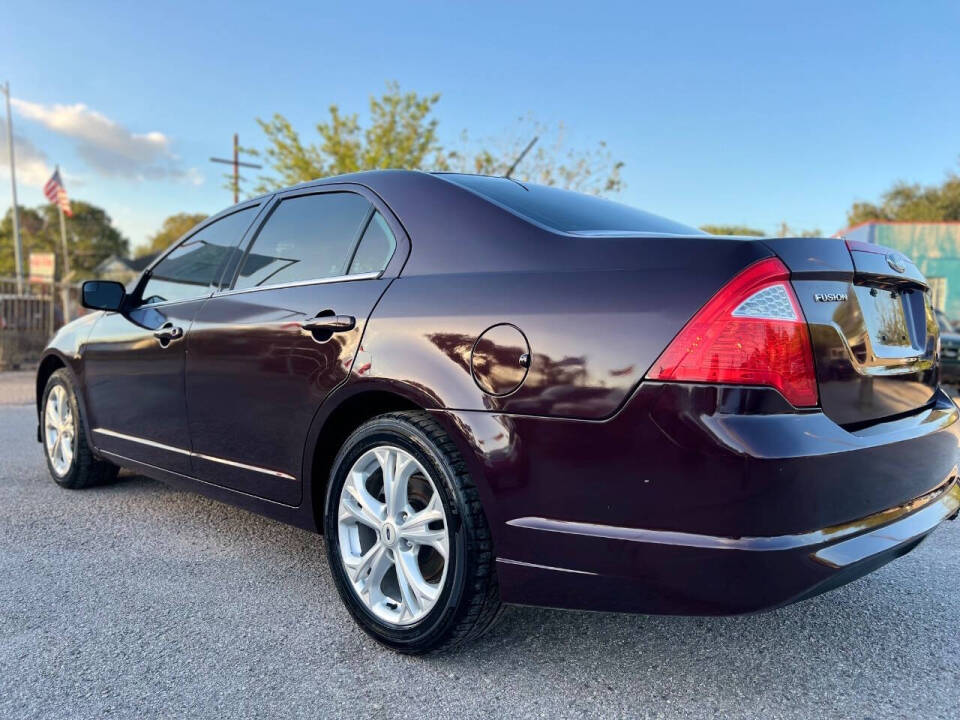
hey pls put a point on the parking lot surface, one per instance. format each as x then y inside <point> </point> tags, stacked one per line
<point>137,600</point>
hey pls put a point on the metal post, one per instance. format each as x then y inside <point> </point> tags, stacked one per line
<point>17,245</point>
<point>53,303</point>
<point>64,287</point>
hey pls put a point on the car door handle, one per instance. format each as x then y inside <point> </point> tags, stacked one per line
<point>168,333</point>
<point>330,323</point>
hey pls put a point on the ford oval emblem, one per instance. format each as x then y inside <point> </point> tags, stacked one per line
<point>897,261</point>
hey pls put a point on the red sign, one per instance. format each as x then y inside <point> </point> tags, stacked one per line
<point>42,266</point>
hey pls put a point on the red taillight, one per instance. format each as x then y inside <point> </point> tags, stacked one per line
<point>752,332</point>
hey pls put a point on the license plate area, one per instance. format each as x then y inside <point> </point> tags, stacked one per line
<point>894,320</point>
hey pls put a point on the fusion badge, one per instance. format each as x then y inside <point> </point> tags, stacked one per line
<point>830,297</point>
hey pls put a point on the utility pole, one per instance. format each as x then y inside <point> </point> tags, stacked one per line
<point>236,167</point>
<point>17,245</point>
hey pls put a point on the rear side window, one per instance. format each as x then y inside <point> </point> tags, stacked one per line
<point>194,267</point>
<point>376,247</point>
<point>305,238</point>
<point>568,211</point>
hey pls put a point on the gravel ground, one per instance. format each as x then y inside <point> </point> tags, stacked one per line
<point>140,601</point>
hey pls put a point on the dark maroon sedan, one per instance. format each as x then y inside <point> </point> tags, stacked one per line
<point>487,392</point>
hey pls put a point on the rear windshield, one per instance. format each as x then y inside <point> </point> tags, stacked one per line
<point>568,211</point>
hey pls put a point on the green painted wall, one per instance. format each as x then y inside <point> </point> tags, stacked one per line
<point>934,247</point>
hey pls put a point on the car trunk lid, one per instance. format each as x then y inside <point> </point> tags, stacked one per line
<point>874,334</point>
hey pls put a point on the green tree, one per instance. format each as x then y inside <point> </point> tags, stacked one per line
<point>173,228</point>
<point>401,132</point>
<point>551,161</point>
<point>732,230</point>
<point>912,202</point>
<point>91,238</point>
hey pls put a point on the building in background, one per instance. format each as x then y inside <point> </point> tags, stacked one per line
<point>123,270</point>
<point>934,247</point>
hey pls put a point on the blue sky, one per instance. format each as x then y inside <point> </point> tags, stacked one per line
<point>724,112</point>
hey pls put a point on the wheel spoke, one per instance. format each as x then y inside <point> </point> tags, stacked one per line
<point>357,566</point>
<point>409,576</point>
<point>361,505</point>
<point>411,602</point>
<point>51,415</point>
<point>396,469</point>
<point>417,528</point>
<point>379,566</point>
<point>66,451</point>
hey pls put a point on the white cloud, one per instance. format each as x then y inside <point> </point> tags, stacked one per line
<point>32,166</point>
<point>194,177</point>
<point>107,147</point>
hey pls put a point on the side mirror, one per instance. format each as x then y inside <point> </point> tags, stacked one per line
<point>103,295</point>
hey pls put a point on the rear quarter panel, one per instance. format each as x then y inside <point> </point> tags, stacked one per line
<point>592,332</point>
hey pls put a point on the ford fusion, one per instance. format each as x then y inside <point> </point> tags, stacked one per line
<point>485,392</point>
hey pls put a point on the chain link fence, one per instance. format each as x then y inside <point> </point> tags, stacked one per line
<point>29,319</point>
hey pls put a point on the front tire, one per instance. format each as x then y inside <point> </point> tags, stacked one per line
<point>70,459</point>
<point>408,544</point>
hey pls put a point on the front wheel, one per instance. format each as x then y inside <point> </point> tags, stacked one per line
<point>406,537</point>
<point>70,460</point>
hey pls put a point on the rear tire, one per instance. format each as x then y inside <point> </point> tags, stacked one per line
<point>388,565</point>
<point>70,459</point>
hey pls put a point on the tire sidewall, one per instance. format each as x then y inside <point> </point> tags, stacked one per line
<point>62,379</point>
<point>449,607</point>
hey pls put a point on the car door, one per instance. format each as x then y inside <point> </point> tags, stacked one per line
<point>133,363</point>
<point>264,354</point>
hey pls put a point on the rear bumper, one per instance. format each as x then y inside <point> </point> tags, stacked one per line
<point>695,500</point>
<point>703,575</point>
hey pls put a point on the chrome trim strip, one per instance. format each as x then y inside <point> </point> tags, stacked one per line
<point>303,283</point>
<point>948,492</point>
<point>914,527</point>
<point>181,451</point>
<point>243,466</point>
<point>193,298</point>
<point>128,461</point>
<point>141,441</point>
<point>543,567</point>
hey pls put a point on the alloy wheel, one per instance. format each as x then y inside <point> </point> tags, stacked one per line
<point>393,535</point>
<point>59,430</point>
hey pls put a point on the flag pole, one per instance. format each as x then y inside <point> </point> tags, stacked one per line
<point>17,246</point>
<point>65,294</point>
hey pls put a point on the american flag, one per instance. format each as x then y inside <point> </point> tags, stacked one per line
<point>57,194</point>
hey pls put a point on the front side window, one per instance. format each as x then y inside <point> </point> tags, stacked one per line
<point>309,237</point>
<point>194,266</point>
